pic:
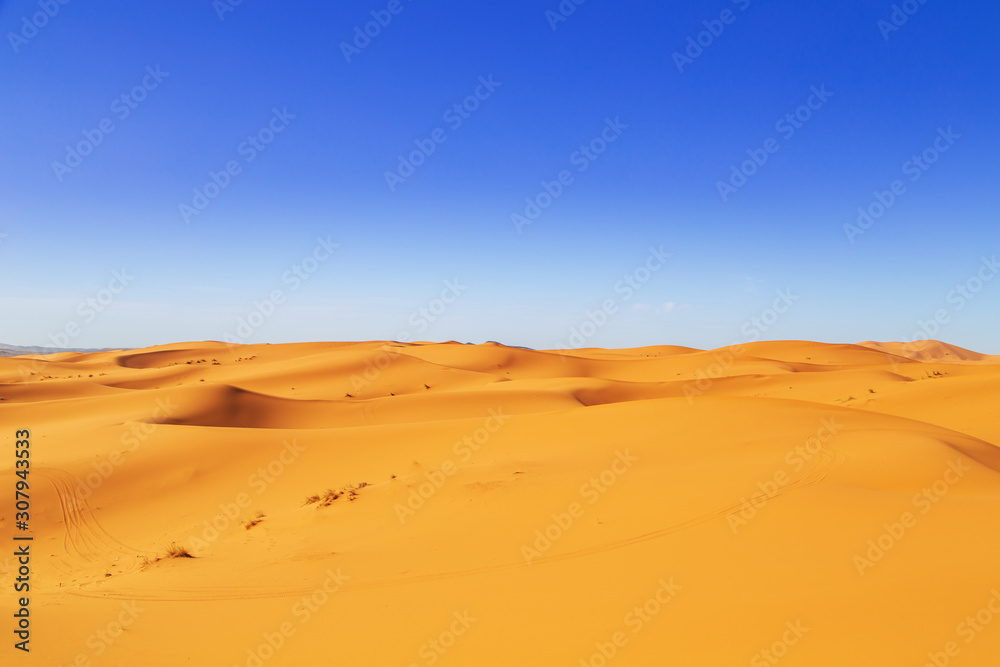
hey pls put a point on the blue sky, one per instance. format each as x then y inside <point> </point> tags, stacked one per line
<point>644,109</point>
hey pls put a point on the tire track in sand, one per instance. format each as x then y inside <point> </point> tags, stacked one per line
<point>85,538</point>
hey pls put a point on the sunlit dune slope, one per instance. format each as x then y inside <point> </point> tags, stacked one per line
<point>445,504</point>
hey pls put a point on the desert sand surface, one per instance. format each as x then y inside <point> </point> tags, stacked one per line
<point>390,504</point>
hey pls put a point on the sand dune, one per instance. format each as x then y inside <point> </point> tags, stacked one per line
<point>929,350</point>
<point>446,504</point>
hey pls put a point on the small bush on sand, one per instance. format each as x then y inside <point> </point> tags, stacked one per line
<point>260,516</point>
<point>328,497</point>
<point>177,551</point>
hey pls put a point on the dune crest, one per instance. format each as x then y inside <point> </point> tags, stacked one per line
<point>929,350</point>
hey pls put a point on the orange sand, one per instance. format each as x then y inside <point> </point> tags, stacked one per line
<point>788,503</point>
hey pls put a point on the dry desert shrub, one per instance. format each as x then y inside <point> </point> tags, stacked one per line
<point>178,551</point>
<point>260,516</point>
<point>329,496</point>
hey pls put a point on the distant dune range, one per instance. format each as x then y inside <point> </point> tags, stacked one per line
<point>19,350</point>
<point>414,504</point>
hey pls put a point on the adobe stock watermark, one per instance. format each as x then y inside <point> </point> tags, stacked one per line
<point>636,619</point>
<point>581,159</point>
<point>786,126</point>
<point>562,13</point>
<point>89,308</point>
<point>900,14</point>
<point>454,117</point>
<point>434,649</point>
<point>231,513</point>
<point>302,611</point>
<point>248,150</point>
<point>795,460</point>
<point>957,298</point>
<point>121,108</point>
<point>30,26</point>
<point>28,368</point>
<point>223,7</point>
<point>464,450</point>
<point>296,276</point>
<point>420,320</point>
<point>590,492</point>
<point>696,44</point>
<point>104,638</point>
<point>363,35</point>
<point>967,630</point>
<point>752,330</point>
<point>130,441</point>
<point>923,502</point>
<point>914,168</point>
<point>779,649</point>
<point>627,287</point>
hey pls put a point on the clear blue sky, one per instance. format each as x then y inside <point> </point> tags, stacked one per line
<point>310,128</point>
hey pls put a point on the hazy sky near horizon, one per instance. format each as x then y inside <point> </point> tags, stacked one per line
<point>540,173</point>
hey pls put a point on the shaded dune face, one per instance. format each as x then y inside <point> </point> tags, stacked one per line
<point>400,504</point>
